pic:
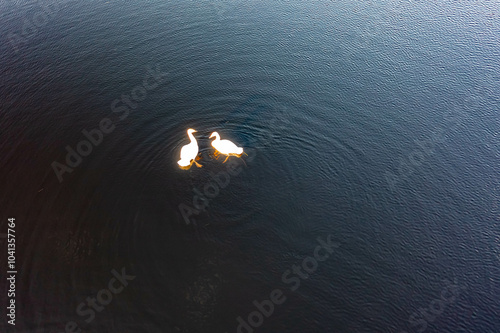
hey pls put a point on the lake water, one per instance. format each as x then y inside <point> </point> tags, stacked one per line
<point>372,126</point>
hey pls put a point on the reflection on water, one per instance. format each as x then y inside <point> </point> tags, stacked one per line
<point>219,180</point>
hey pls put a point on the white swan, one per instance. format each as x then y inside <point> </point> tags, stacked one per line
<point>225,147</point>
<point>189,152</point>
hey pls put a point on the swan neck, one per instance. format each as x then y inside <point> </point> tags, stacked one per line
<point>191,137</point>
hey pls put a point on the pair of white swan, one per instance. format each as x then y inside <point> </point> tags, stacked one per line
<point>189,153</point>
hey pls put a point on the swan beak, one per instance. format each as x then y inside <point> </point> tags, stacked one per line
<point>211,136</point>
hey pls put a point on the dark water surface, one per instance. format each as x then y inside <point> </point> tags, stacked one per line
<point>374,124</point>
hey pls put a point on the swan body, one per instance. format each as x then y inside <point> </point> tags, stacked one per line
<point>225,147</point>
<point>189,152</point>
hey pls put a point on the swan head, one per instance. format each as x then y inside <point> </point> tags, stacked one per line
<point>214,134</point>
<point>190,131</point>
